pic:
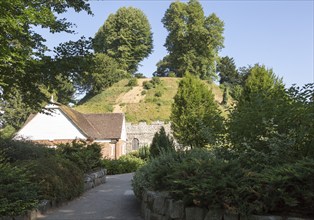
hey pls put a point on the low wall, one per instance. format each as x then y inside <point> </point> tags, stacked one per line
<point>159,206</point>
<point>94,179</point>
<point>91,180</point>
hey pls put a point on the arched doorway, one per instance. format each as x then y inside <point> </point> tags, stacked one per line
<point>135,144</point>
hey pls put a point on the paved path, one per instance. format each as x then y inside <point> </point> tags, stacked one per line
<point>112,200</point>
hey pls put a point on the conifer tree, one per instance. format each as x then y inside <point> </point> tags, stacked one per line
<point>195,117</point>
<point>161,143</point>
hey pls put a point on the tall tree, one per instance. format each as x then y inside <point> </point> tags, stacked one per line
<point>195,117</point>
<point>270,123</point>
<point>258,108</point>
<point>125,36</point>
<point>193,41</point>
<point>22,50</point>
<point>227,71</point>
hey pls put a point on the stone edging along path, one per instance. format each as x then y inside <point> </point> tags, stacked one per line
<point>91,180</point>
<point>159,206</point>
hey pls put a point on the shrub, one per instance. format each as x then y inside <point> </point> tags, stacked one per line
<point>18,194</point>
<point>158,94</point>
<point>195,177</point>
<point>139,75</point>
<point>125,164</point>
<point>132,82</point>
<point>147,85</point>
<point>142,153</point>
<point>155,81</point>
<point>58,179</point>
<point>289,188</point>
<point>171,74</point>
<point>143,92</point>
<point>24,150</point>
<point>86,156</point>
<point>36,172</point>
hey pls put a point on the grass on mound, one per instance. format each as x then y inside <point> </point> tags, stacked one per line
<point>156,104</point>
<point>104,101</point>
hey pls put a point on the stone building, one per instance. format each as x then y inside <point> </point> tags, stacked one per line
<point>142,134</point>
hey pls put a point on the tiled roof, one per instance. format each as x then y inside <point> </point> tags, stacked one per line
<point>95,126</point>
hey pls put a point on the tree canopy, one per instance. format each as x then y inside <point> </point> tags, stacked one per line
<point>193,41</point>
<point>195,117</point>
<point>23,64</point>
<point>125,36</point>
<point>104,72</point>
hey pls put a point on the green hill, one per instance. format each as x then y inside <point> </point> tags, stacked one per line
<point>137,103</point>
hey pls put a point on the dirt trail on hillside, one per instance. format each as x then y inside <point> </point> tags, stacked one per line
<point>132,96</point>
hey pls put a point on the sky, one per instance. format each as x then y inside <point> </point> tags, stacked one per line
<point>278,34</point>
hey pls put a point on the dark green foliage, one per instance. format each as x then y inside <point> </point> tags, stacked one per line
<point>132,82</point>
<point>18,194</point>
<point>227,71</point>
<point>70,71</point>
<point>163,68</point>
<point>158,94</point>
<point>24,67</point>
<point>13,111</point>
<point>259,107</point>
<point>87,157</point>
<point>225,96</point>
<point>268,117</point>
<point>161,143</point>
<point>153,83</point>
<point>195,117</point>
<point>58,179</point>
<point>268,165</point>
<point>7,132</point>
<point>196,178</point>
<point>32,172</point>
<point>230,76</point>
<point>104,73</point>
<point>18,151</point>
<point>193,41</point>
<point>125,36</point>
<point>125,164</point>
<point>54,178</point>
<point>288,188</point>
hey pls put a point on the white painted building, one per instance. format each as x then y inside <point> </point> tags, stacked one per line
<point>61,124</point>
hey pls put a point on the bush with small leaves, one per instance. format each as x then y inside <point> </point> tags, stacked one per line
<point>158,94</point>
<point>147,85</point>
<point>18,194</point>
<point>125,164</point>
<point>86,156</point>
<point>132,82</point>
